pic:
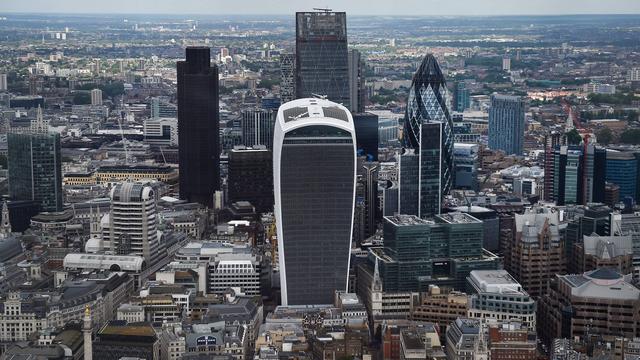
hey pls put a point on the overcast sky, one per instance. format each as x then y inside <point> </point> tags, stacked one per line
<point>354,7</point>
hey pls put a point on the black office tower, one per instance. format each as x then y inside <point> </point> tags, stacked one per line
<point>366,125</point>
<point>322,65</point>
<point>198,128</point>
<point>251,177</point>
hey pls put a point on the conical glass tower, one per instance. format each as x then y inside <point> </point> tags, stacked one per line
<point>428,131</point>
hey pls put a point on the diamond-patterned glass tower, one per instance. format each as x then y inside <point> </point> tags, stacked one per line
<point>428,130</point>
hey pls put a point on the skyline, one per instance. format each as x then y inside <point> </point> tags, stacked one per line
<point>355,7</point>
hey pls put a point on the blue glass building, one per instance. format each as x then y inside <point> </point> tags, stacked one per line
<point>622,170</point>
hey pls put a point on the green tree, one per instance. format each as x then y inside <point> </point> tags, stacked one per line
<point>604,135</point>
<point>573,137</point>
<point>81,98</point>
<point>630,136</point>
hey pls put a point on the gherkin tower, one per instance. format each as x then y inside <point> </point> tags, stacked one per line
<point>428,131</point>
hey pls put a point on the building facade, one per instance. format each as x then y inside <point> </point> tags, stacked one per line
<point>198,127</point>
<point>506,124</point>
<point>314,167</point>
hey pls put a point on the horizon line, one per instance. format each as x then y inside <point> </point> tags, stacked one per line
<point>293,13</point>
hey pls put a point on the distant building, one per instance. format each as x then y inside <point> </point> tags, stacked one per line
<point>357,86</point>
<point>461,97</point>
<point>34,166</point>
<point>96,97</point>
<point>441,307</point>
<point>511,340</point>
<point>198,127</point>
<point>3,82</point>
<point>161,108</point>
<point>568,181</point>
<point>251,177</point>
<point>622,169</point>
<point>287,77</point>
<point>322,65</point>
<point>466,166</point>
<point>506,64</point>
<point>314,167</point>
<point>506,124</point>
<point>161,131</point>
<point>366,125</point>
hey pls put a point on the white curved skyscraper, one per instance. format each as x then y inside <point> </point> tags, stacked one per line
<point>314,175</point>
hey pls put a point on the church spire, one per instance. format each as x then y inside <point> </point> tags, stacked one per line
<point>39,125</point>
<point>5,228</point>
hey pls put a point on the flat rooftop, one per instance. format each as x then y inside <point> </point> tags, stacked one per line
<point>407,220</point>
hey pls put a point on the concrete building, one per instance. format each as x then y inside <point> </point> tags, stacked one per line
<point>161,131</point>
<point>601,302</point>
<point>117,340</point>
<point>506,124</point>
<point>466,339</point>
<point>96,97</point>
<point>512,341</point>
<point>498,297</point>
<point>441,307</point>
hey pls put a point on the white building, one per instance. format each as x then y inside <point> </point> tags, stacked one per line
<point>130,313</point>
<point>161,131</point>
<point>3,82</point>
<point>96,97</point>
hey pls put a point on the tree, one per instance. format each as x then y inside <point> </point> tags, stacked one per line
<point>81,98</point>
<point>630,136</point>
<point>604,136</point>
<point>573,137</point>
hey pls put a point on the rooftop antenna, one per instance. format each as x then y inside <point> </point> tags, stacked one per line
<point>325,9</point>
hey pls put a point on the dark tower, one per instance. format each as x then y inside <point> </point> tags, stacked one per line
<point>198,127</point>
<point>322,62</point>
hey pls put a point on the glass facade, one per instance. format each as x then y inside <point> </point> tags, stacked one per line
<point>198,128</point>
<point>317,180</point>
<point>428,130</point>
<point>506,124</point>
<point>34,167</point>
<point>251,178</point>
<point>257,127</point>
<point>366,125</point>
<point>622,170</point>
<point>322,65</point>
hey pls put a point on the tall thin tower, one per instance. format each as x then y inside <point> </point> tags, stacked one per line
<point>314,173</point>
<point>87,330</point>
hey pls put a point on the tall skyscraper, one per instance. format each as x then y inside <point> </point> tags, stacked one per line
<point>287,77</point>
<point>314,172</point>
<point>428,131</point>
<point>577,179</point>
<point>251,177</point>
<point>322,66</point>
<point>133,221</point>
<point>34,165</point>
<point>506,124</point>
<point>257,127</point>
<point>623,169</point>
<point>3,82</point>
<point>96,97</point>
<point>198,127</point>
<point>356,81</point>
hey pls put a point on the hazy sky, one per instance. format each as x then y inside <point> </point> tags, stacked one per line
<point>354,7</point>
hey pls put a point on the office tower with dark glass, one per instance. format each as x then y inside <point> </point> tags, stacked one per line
<point>366,125</point>
<point>428,132</point>
<point>257,127</point>
<point>356,81</point>
<point>34,166</point>
<point>506,124</point>
<point>287,77</point>
<point>250,177</point>
<point>198,128</point>
<point>314,172</point>
<point>322,66</point>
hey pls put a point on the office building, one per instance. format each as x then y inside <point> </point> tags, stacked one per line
<point>133,222</point>
<point>314,172</point>
<point>601,302</point>
<point>3,82</point>
<point>537,250</point>
<point>575,178</point>
<point>250,177</point>
<point>287,77</point>
<point>595,251</point>
<point>357,86</point>
<point>511,340</point>
<point>466,166</point>
<point>161,131</point>
<point>461,97</point>
<point>34,166</point>
<point>428,131</point>
<point>366,125</point>
<point>198,128</point>
<point>496,296</point>
<point>623,169</point>
<point>322,65</point>
<point>257,127</point>
<point>162,108</point>
<point>96,97</point>
<point>418,253</point>
<point>506,124</point>
<point>442,307</point>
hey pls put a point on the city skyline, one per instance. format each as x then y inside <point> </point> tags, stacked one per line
<point>358,7</point>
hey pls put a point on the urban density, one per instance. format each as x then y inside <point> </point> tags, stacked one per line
<point>319,185</point>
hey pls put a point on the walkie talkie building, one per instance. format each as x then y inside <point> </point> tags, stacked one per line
<point>314,173</point>
<point>428,130</point>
